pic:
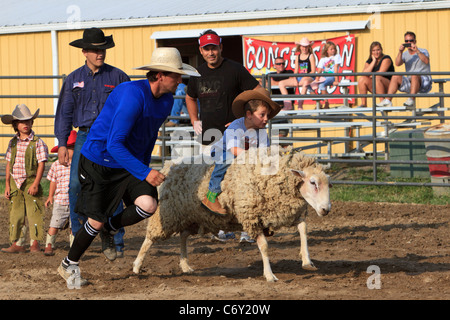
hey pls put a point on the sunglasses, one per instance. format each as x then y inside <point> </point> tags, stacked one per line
<point>279,64</point>
<point>410,41</point>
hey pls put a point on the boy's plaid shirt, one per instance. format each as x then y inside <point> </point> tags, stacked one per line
<point>61,176</point>
<point>18,173</point>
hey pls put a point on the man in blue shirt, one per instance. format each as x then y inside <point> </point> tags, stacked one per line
<point>115,159</point>
<point>82,97</point>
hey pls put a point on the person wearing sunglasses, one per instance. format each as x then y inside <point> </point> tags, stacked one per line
<point>280,67</point>
<point>416,60</point>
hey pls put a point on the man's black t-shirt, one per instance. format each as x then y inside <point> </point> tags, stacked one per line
<point>216,89</point>
<point>281,78</point>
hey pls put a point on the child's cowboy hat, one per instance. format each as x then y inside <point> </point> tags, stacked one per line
<point>94,38</point>
<point>255,94</point>
<point>304,42</point>
<point>21,112</point>
<point>70,141</point>
<point>169,60</point>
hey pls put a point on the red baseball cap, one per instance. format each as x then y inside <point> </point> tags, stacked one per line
<point>70,141</point>
<point>207,39</point>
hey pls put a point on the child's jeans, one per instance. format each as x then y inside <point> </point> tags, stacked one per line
<point>220,168</point>
<point>328,82</point>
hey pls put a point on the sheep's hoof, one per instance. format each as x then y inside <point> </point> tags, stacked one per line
<point>136,270</point>
<point>136,267</point>
<point>186,268</point>
<point>309,267</point>
<point>271,278</point>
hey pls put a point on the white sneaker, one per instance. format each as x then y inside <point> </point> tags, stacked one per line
<point>71,273</point>
<point>246,238</point>
<point>222,236</point>
<point>409,103</point>
<point>385,103</point>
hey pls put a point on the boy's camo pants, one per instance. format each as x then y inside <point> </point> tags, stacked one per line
<point>24,205</point>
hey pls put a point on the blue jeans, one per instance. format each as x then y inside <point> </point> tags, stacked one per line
<point>328,82</point>
<point>178,107</point>
<point>77,220</point>
<point>220,168</point>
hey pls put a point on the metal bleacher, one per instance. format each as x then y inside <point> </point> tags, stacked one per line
<point>378,122</point>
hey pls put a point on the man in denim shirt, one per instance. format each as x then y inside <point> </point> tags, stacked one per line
<point>82,97</point>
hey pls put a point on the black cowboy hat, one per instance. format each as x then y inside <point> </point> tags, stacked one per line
<point>94,38</point>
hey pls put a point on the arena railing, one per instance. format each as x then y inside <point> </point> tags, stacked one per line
<point>375,121</point>
<point>438,108</point>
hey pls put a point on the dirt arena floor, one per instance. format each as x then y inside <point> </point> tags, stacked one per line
<point>408,244</point>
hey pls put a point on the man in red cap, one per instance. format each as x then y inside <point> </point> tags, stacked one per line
<point>221,81</point>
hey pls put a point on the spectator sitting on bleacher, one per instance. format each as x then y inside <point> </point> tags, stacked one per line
<point>415,60</point>
<point>377,62</point>
<point>280,67</point>
<point>328,63</point>
<point>305,63</point>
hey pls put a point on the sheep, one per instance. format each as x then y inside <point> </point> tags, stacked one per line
<point>261,191</point>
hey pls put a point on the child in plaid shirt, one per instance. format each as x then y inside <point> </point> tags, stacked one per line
<point>58,195</point>
<point>26,157</point>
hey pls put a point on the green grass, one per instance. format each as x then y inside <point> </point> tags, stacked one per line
<point>391,193</point>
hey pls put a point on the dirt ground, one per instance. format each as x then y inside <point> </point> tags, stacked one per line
<point>408,244</point>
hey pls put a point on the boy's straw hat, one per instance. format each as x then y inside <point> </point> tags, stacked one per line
<point>168,60</point>
<point>70,141</point>
<point>21,112</point>
<point>258,94</point>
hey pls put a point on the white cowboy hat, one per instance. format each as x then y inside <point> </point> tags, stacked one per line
<point>21,112</point>
<point>168,60</point>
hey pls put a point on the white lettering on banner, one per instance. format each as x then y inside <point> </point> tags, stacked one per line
<point>347,55</point>
<point>260,57</point>
<point>258,60</point>
<point>250,51</point>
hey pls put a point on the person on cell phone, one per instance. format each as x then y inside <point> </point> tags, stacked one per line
<point>416,60</point>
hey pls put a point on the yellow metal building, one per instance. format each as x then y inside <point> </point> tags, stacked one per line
<point>39,46</point>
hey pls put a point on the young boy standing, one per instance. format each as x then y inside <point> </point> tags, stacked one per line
<point>58,195</point>
<point>253,109</point>
<point>26,157</point>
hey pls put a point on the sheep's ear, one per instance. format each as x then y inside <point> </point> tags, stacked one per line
<point>298,173</point>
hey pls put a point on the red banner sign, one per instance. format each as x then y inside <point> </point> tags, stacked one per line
<point>260,57</point>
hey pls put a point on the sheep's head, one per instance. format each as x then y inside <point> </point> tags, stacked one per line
<point>315,189</point>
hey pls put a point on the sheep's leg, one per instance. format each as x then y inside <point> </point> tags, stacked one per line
<point>304,253</point>
<point>263,248</point>
<point>141,255</point>
<point>183,250</point>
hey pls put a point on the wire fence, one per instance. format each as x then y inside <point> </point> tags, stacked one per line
<point>388,120</point>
